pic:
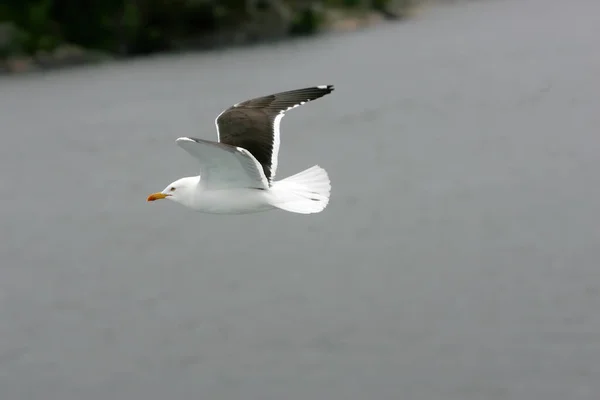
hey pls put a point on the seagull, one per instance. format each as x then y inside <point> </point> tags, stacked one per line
<point>237,171</point>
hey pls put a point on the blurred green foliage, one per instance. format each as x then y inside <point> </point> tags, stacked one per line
<point>142,26</point>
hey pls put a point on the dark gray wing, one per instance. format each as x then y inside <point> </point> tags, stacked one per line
<point>254,124</point>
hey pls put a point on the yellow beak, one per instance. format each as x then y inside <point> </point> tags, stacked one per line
<point>156,196</point>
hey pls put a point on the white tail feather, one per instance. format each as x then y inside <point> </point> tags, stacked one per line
<point>306,192</point>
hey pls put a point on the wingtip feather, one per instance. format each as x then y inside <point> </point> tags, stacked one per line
<point>330,88</point>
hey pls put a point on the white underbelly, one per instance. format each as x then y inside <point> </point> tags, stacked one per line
<point>233,201</point>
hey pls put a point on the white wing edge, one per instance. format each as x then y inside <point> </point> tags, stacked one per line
<point>277,137</point>
<point>217,125</point>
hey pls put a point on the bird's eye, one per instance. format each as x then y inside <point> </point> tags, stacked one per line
<point>172,189</point>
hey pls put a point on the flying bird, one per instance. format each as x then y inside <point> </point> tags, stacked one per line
<point>237,171</point>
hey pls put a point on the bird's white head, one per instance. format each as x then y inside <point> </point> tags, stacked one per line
<point>181,191</point>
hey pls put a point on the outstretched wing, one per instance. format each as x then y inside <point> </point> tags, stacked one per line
<point>223,166</point>
<point>254,124</point>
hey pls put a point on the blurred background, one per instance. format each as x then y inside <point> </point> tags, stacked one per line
<point>458,258</point>
<point>71,31</point>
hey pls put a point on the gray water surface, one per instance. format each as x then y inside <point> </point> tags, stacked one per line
<point>458,258</point>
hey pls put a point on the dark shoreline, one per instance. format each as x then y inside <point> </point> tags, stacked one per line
<point>67,55</point>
